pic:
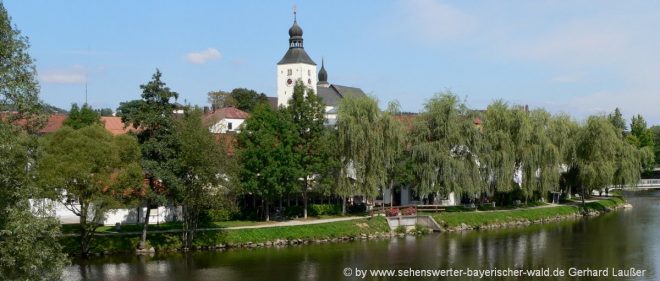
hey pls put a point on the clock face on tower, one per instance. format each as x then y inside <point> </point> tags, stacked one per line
<point>289,82</point>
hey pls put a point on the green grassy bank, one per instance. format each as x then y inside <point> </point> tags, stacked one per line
<point>172,241</point>
<point>477,219</point>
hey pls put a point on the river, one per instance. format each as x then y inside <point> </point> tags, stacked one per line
<point>606,246</point>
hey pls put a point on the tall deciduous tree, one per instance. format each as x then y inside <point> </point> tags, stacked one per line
<point>642,138</point>
<point>504,130</point>
<point>541,165</point>
<point>19,89</point>
<point>266,155</point>
<point>246,99</point>
<point>360,148</point>
<point>91,170</point>
<point>203,174</point>
<point>152,116</point>
<point>29,248</point>
<point>619,123</point>
<point>446,143</point>
<point>220,99</point>
<point>306,112</point>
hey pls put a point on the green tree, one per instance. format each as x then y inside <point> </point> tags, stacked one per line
<point>644,139</point>
<point>204,172</point>
<point>616,118</point>
<point>247,100</point>
<point>656,137</point>
<point>505,131</point>
<point>446,143</point>
<point>541,165</point>
<point>220,99</point>
<point>29,248</point>
<point>596,150</point>
<point>104,112</point>
<point>91,171</point>
<point>306,112</point>
<point>153,116</point>
<point>360,149</point>
<point>82,117</point>
<point>19,89</point>
<point>266,155</point>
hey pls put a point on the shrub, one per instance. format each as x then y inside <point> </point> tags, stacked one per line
<point>420,230</point>
<point>408,211</point>
<point>400,229</point>
<point>392,212</point>
<point>217,215</point>
<point>357,209</point>
<point>324,209</point>
<point>293,211</point>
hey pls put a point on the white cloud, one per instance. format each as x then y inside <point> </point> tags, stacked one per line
<point>71,75</point>
<point>204,56</point>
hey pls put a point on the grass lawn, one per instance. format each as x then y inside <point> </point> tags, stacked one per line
<point>172,241</point>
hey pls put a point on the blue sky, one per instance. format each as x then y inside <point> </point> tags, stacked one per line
<point>579,57</point>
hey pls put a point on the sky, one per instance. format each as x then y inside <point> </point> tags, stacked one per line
<point>577,57</point>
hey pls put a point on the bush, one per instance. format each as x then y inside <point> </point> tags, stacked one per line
<point>357,209</point>
<point>324,209</point>
<point>400,229</point>
<point>217,215</point>
<point>392,212</point>
<point>293,211</point>
<point>420,230</point>
<point>408,211</point>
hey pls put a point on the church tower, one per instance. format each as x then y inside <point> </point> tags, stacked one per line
<point>295,65</point>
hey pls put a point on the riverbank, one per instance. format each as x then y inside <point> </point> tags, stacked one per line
<point>473,220</point>
<point>336,231</point>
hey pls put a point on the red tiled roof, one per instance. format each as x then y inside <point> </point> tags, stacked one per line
<point>54,123</point>
<point>211,118</point>
<point>114,125</point>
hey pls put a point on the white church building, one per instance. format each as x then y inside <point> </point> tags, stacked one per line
<point>298,65</point>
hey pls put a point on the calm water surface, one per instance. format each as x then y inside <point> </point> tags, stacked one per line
<point>620,240</point>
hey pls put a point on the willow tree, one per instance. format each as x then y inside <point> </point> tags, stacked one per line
<point>542,159</point>
<point>563,131</point>
<point>394,143</point>
<point>361,149</point>
<point>596,151</point>
<point>505,131</point>
<point>445,147</point>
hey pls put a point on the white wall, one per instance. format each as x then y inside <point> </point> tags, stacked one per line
<point>222,126</point>
<point>299,71</point>
<point>124,216</point>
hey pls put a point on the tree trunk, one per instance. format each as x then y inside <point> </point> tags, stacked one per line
<point>266,210</point>
<point>584,206</point>
<point>343,205</point>
<point>304,195</point>
<point>84,247</point>
<point>143,239</point>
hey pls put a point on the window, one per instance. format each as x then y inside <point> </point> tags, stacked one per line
<point>230,126</point>
<point>309,72</point>
<point>289,72</point>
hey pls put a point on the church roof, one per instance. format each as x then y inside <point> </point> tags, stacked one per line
<point>296,55</point>
<point>332,95</point>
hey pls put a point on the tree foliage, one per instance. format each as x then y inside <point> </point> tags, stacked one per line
<point>445,147</point>
<point>267,156</point>
<point>152,115</point>
<point>29,248</point>
<point>204,172</point>
<point>19,89</point>
<point>306,113</point>
<point>82,116</point>
<point>91,171</point>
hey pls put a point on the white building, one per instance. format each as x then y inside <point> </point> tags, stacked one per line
<point>225,120</point>
<point>297,65</point>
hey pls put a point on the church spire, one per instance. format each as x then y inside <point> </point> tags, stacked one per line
<point>323,75</point>
<point>295,33</point>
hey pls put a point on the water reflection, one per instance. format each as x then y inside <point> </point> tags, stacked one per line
<point>620,240</point>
